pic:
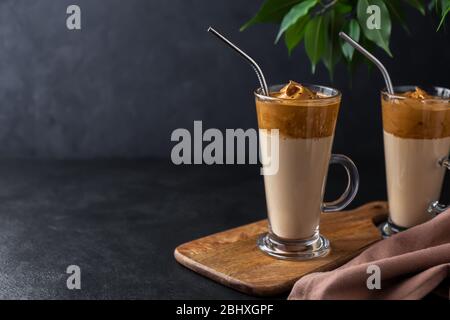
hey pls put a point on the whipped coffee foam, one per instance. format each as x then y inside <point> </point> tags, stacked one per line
<point>295,91</point>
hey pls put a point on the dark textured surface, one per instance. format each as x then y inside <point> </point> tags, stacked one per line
<point>120,221</point>
<point>138,69</point>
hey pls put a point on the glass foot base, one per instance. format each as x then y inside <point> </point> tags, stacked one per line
<point>317,246</point>
<point>389,229</point>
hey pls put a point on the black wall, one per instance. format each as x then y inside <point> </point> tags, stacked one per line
<point>140,68</point>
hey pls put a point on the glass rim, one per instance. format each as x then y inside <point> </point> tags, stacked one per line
<point>337,94</point>
<point>398,89</point>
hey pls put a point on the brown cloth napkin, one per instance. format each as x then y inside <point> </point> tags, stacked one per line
<point>412,264</point>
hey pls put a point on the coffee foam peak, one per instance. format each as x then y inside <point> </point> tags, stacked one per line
<point>295,91</point>
<point>418,94</point>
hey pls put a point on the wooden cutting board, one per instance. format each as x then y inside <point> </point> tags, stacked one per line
<point>232,258</point>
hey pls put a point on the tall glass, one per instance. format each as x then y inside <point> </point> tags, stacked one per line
<point>294,194</point>
<point>416,146</point>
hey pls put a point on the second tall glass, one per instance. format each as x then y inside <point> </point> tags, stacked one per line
<point>416,127</point>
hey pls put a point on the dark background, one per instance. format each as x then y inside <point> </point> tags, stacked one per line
<point>136,71</point>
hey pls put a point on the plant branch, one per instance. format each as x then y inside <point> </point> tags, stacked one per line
<point>326,7</point>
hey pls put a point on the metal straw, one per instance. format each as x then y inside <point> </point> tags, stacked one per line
<point>369,56</point>
<point>259,73</point>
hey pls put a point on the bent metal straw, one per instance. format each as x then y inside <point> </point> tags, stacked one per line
<point>369,56</point>
<point>255,66</point>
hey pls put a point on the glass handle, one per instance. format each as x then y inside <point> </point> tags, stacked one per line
<point>435,207</point>
<point>352,184</point>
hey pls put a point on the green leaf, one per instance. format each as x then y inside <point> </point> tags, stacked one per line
<point>271,11</point>
<point>315,40</point>
<point>359,59</point>
<point>298,11</point>
<point>369,45</point>
<point>356,61</point>
<point>445,4</point>
<point>396,10</point>
<point>295,34</point>
<point>379,36</point>
<point>342,8</point>
<point>433,5</point>
<point>416,4</point>
<point>332,53</point>
<point>353,30</point>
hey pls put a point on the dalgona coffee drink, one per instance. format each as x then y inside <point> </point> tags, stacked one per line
<point>306,124</point>
<point>416,127</point>
<point>305,117</point>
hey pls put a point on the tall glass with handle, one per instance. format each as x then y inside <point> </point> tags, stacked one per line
<point>305,119</point>
<point>416,130</point>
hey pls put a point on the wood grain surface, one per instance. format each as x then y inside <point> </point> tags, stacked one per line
<point>232,258</point>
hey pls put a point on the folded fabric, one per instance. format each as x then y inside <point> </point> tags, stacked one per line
<point>409,265</point>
